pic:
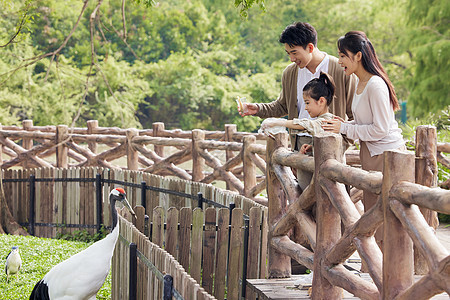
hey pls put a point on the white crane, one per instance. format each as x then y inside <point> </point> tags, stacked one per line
<point>13,262</point>
<point>83,274</point>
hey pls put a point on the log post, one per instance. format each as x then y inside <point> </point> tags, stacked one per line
<point>27,143</point>
<point>1,149</point>
<point>91,128</point>
<point>279,264</point>
<point>158,127</point>
<point>132,154</point>
<point>328,232</point>
<point>249,166</point>
<point>426,174</point>
<point>198,162</point>
<point>230,130</point>
<point>398,261</point>
<point>62,134</point>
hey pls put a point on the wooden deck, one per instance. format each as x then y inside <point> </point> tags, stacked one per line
<point>287,289</point>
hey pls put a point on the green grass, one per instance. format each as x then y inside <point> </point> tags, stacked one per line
<point>38,255</point>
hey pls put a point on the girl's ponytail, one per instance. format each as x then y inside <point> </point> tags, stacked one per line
<point>321,87</point>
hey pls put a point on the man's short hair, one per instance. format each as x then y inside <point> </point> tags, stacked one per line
<point>299,34</point>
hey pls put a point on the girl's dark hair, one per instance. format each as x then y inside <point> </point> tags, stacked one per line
<point>321,87</point>
<point>299,34</point>
<point>357,41</point>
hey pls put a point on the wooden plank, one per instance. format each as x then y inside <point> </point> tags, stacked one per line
<point>145,275</point>
<point>264,241</point>
<point>76,174</point>
<point>83,194</point>
<point>14,208</point>
<point>172,231</point>
<point>158,226</point>
<point>185,237</point>
<point>140,217</point>
<point>159,266</point>
<point>155,279</point>
<point>220,272</point>
<point>132,178</point>
<point>58,200</point>
<point>253,247</point>
<point>64,200</point>
<point>154,195</point>
<point>196,245</point>
<point>91,201</point>
<point>114,268</point>
<point>38,205</point>
<point>52,205</point>
<point>235,265</point>
<point>107,174</point>
<point>23,197</point>
<point>45,203</point>
<point>209,249</point>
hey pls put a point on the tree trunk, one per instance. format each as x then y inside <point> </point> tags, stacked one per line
<point>7,222</point>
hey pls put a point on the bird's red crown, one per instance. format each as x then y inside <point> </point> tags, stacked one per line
<point>121,190</point>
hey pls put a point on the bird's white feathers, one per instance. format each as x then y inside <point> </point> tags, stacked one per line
<point>83,274</point>
<point>13,262</point>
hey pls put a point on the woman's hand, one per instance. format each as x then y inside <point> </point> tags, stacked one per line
<point>249,109</point>
<point>333,125</point>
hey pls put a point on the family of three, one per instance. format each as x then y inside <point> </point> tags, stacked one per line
<point>351,95</point>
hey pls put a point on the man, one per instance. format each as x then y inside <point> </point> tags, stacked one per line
<point>300,42</point>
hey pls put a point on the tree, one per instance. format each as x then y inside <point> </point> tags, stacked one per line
<point>428,42</point>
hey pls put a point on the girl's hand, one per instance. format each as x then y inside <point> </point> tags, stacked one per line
<point>305,148</point>
<point>272,122</point>
<point>249,109</point>
<point>333,125</point>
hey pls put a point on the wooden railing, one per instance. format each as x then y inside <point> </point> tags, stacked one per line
<point>236,158</point>
<point>229,156</point>
<point>318,242</point>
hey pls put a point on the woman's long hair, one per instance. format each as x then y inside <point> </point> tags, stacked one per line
<point>357,41</point>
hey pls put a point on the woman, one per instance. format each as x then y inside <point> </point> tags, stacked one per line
<point>373,108</point>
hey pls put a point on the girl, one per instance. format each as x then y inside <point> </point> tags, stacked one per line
<point>317,95</point>
<point>373,107</point>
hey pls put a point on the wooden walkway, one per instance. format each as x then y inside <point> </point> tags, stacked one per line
<point>288,288</point>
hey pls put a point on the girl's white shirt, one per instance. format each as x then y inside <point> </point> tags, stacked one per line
<point>374,119</point>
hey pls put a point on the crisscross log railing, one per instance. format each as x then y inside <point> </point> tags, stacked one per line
<point>316,241</point>
<point>143,150</point>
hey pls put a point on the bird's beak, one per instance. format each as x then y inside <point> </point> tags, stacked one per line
<point>127,205</point>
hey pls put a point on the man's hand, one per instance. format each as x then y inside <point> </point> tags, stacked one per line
<point>249,109</point>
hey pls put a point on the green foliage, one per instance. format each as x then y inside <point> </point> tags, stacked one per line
<point>428,41</point>
<point>184,62</point>
<point>82,235</point>
<point>38,255</point>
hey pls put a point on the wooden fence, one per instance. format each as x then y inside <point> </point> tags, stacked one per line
<point>229,156</point>
<point>66,199</point>
<point>213,246</point>
<point>322,246</point>
<point>217,252</point>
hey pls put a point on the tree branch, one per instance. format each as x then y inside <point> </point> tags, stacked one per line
<point>22,22</point>
<point>124,22</point>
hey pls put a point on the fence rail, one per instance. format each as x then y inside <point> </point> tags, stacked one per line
<point>320,244</point>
